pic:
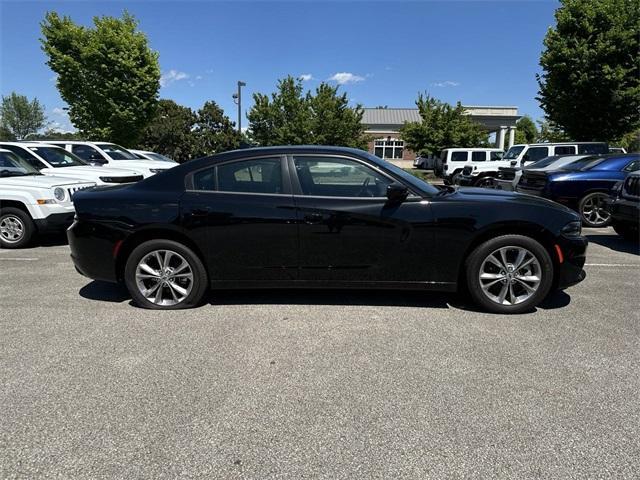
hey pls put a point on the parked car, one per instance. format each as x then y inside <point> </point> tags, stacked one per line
<point>508,177</point>
<point>56,161</point>
<point>624,206</point>
<point>146,155</point>
<point>453,160</point>
<point>481,174</point>
<point>112,155</point>
<point>32,203</point>
<point>617,150</point>
<point>314,216</point>
<point>582,185</point>
<point>524,154</point>
<point>425,163</point>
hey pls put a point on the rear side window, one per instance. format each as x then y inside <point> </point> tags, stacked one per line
<point>478,156</point>
<point>593,149</point>
<point>263,175</point>
<point>537,153</point>
<point>459,156</point>
<point>565,150</point>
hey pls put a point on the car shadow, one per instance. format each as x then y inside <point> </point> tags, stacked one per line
<point>105,292</point>
<point>615,242</point>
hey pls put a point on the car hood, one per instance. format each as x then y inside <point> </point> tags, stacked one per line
<point>91,172</point>
<point>503,196</point>
<point>141,164</point>
<point>42,181</point>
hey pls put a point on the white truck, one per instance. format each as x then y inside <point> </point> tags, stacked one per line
<point>56,161</point>
<point>112,155</point>
<point>32,203</point>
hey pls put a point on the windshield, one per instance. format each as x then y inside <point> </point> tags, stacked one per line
<point>406,176</point>
<point>13,166</point>
<point>513,153</point>
<point>116,152</point>
<point>157,156</point>
<point>58,157</point>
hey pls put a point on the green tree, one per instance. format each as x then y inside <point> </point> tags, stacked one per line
<point>107,74</point>
<point>290,117</point>
<point>333,122</point>
<point>51,134</point>
<point>20,117</point>
<point>550,132</point>
<point>590,85</point>
<point>442,126</point>
<point>171,131</point>
<point>214,132</point>
<point>526,131</point>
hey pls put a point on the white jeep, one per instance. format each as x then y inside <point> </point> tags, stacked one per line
<point>32,203</point>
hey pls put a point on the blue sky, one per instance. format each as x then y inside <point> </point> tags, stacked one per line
<point>382,53</point>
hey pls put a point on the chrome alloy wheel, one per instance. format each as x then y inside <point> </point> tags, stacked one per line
<point>595,211</point>
<point>11,229</point>
<point>510,275</point>
<point>164,277</point>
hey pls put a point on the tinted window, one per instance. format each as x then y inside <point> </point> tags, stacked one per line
<point>633,166</point>
<point>459,156</point>
<point>339,177</point>
<point>478,156</point>
<point>496,155</point>
<point>263,175</point>
<point>536,153</point>
<point>85,152</point>
<point>593,148</point>
<point>566,150</point>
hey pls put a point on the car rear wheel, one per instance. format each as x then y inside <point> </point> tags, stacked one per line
<point>509,274</point>
<point>593,210</point>
<point>165,275</point>
<point>484,182</point>
<point>16,228</point>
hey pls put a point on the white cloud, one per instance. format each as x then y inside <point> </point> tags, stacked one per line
<point>198,77</point>
<point>446,83</point>
<point>305,77</point>
<point>171,76</point>
<point>343,78</point>
<point>59,111</point>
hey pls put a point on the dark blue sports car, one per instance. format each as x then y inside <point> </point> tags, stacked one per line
<point>583,185</point>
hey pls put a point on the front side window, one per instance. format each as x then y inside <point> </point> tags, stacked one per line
<point>459,156</point>
<point>537,153</point>
<point>388,148</point>
<point>513,152</point>
<point>86,152</point>
<point>339,177</point>
<point>478,156</point>
<point>496,156</point>
<point>117,152</point>
<point>58,157</point>
<point>262,175</point>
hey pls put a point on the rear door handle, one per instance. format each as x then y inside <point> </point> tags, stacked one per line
<point>200,211</point>
<point>313,218</point>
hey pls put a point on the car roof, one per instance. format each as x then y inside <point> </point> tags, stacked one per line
<point>474,149</point>
<point>555,144</point>
<point>15,144</point>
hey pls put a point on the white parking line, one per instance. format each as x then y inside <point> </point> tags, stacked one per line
<point>20,259</point>
<point>612,264</point>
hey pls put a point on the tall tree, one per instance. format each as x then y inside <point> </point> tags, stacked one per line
<point>526,131</point>
<point>590,85</point>
<point>214,132</point>
<point>20,117</point>
<point>291,117</point>
<point>550,132</point>
<point>442,125</point>
<point>107,74</point>
<point>171,131</point>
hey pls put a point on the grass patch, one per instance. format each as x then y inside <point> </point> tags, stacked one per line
<point>426,175</point>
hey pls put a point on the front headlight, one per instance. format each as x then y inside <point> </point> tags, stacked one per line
<point>157,170</point>
<point>59,194</point>
<point>572,229</point>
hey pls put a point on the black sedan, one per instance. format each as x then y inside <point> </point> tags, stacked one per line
<point>314,216</point>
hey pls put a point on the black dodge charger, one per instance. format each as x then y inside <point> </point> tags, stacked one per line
<point>313,216</point>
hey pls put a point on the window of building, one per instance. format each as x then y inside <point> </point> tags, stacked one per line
<point>478,156</point>
<point>388,148</point>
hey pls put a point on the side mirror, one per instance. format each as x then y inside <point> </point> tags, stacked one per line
<point>397,193</point>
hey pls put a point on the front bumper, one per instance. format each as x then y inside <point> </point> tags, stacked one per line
<point>55,222</point>
<point>506,185</point>
<point>570,269</point>
<point>466,180</point>
<point>625,211</point>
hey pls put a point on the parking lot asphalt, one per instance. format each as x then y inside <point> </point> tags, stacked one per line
<point>313,384</point>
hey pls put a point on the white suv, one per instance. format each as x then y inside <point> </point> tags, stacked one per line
<point>453,160</point>
<point>523,154</point>
<point>112,155</point>
<point>32,203</point>
<point>56,161</point>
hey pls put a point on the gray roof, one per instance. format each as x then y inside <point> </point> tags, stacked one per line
<point>390,116</point>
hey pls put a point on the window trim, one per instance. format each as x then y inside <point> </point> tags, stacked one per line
<point>297,188</point>
<point>284,171</point>
<point>392,147</point>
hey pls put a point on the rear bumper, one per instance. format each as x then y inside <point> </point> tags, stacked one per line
<point>93,250</point>
<point>56,222</point>
<point>570,269</point>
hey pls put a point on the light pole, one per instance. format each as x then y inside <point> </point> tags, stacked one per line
<point>237,98</point>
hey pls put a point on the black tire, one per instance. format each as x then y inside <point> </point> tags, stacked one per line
<point>484,182</point>
<point>477,258</point>
<point>594,202</point>
<point>12,219</point>
<point>628,232</point>
<point>199,274</point>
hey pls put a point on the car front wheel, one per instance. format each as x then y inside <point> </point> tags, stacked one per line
<point>16,228</point>
<point>509,274</point>
<point>593,210</point>
<point>165,275</point>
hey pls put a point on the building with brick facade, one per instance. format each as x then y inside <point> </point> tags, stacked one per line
<point>383,126</point>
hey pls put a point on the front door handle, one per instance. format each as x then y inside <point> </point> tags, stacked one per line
<point>313,218</point>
